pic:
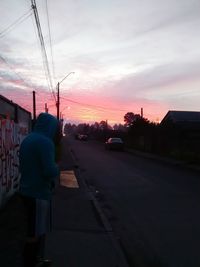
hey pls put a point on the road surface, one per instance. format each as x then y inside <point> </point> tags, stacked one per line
<point>153,207</point>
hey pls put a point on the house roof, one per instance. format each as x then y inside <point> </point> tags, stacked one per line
<point>6,100</point>
<point>181,116</point>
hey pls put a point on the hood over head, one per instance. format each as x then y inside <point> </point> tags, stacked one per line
<point>46,124</point>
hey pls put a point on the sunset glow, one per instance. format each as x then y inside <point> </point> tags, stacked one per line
<point>125,56</point>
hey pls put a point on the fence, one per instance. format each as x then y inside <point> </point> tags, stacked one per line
<point>15,123</point>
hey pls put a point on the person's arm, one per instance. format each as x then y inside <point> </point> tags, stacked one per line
<point>47,158</point>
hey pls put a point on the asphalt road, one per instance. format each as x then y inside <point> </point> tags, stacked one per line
<point>153,207</point>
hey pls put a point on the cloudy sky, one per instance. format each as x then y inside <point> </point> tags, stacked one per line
<point>126,55</point>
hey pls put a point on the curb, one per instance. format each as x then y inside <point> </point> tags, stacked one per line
<point>122,261</point>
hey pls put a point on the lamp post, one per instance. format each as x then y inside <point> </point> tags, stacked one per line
<point>58,94</point>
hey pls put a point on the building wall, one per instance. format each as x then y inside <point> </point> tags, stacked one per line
<point>15,124</point>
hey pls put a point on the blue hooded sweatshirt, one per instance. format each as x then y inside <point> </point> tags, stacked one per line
<point>37,159</point>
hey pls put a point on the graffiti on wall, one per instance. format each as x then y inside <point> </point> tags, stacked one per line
<point>11,136</point>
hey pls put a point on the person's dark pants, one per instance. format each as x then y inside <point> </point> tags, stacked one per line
<point>34,251</point>
<point>34,247</point>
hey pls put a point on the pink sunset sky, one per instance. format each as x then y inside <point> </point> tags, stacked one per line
<point>126,55</point>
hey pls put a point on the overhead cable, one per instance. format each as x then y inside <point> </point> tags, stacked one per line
<point>50,42</point>
<point>93,106</point>
<point>17,74</point>
<point>25,83</point>
<point>43,50</point>
<point>15,23</point>
<point>38,41</point>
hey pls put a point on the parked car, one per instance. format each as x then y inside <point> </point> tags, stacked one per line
<point>114,143</point>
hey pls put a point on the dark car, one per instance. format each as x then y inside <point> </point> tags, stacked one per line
<point>114,143</point>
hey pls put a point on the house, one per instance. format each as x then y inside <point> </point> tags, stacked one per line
<point>186,119</point>
<point>180,131</point>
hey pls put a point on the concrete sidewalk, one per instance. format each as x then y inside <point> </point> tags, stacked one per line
<point>80,236</point>
<point>12,233</point>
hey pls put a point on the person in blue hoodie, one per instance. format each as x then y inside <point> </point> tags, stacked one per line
<point>38,174</point>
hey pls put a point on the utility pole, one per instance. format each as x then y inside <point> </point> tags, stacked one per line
<point>34,107</point>
<point>58,94</point>
<point>142,112</point>
<point>58,101</point>
<point>46,108</point>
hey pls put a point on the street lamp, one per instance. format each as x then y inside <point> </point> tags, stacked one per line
<point>58,94</point>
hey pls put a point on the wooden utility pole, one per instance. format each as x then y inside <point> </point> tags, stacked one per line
<point>34,107</point>
<point>58,94</point>
<point>58,101</point>
<point>142,112</point>
<point>46,108</point>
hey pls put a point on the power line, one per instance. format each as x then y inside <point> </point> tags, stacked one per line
<point>50,42</point>
<point>43,50</point>
<point>94,106</point>
<point>38,42</point>
<point>26,83</point>
<point>5,61</point>
<point>18,75</point>
<point>15,23</point>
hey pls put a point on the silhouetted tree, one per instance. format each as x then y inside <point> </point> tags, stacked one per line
<point>96,125</point>
<point>141,132</point>
<point>119,127</point>
<point>83,128</point>
<point>103,125</point>
<point>69,128</point>
<point>130,118</point>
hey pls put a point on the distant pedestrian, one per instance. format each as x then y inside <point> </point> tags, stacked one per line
<point>38,173</point>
